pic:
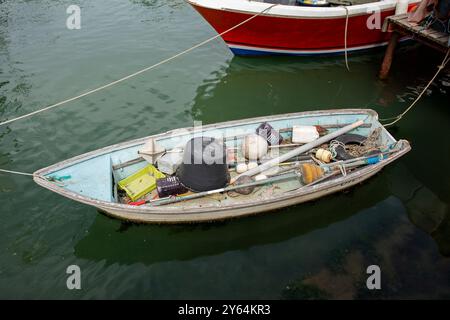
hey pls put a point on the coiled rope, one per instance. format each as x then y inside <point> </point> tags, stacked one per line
<point>138,72</point>
<point>401,115</point>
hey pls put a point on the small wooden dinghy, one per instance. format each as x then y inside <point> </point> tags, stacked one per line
<point>93,178</point>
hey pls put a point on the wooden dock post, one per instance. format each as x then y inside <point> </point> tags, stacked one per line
<point>400,28</point>
<point>388,56</point>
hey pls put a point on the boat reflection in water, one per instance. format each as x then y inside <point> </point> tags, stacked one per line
<point>186,242</point>
<point>250,87</point>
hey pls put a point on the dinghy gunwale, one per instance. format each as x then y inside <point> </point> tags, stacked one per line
<point>180,214</point>
<point>174,133</point>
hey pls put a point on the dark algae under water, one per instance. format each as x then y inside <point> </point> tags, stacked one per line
<point>399,219</point>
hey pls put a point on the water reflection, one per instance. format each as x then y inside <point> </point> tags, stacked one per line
<point>131,243</point>
<point>410,265</point>
<point>14,86</point>
<point>264,86</point>
<point>316,250</point>
<point>250,87</point>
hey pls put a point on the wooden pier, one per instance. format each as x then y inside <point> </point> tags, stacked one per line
<point>400,27</point>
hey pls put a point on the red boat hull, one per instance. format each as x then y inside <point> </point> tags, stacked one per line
<point>267,34</point>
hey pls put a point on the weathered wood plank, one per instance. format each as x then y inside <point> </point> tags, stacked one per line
<point>400,26</point>
<point>427,36</point>
<point>387,60</point>
<point>398,17</point>
<point>436,32</point>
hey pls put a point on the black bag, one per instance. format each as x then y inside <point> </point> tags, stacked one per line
<point>204,165</point>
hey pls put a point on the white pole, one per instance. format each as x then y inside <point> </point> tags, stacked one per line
<point>299,150</point>
<point>401,7</point>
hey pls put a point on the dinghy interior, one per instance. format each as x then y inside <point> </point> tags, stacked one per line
<point>154,172</point>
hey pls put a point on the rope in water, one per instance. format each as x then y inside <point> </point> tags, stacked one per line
<point>138,72</point>
<point>401,115</point>
<point>17,172</point>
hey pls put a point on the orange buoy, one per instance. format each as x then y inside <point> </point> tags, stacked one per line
<point>310,172</point>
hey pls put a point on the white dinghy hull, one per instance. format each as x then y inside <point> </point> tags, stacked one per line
<point>91,176</point>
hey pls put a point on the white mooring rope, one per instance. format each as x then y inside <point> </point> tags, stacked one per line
<point>400,116</point>
<point>138,72</point>
<point>345,37</point>
<point>17,172</point>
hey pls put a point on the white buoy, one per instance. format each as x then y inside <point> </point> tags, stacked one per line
<point>241,168</point>
<point>304,134</point>
<point>254,146</point>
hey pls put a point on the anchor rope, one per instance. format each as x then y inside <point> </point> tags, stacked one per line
<point>138,72</point>
<point>401,115</point>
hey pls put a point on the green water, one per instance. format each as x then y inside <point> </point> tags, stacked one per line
<point>399,220</point>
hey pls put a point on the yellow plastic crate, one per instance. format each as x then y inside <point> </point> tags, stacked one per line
<point>141,182</point>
